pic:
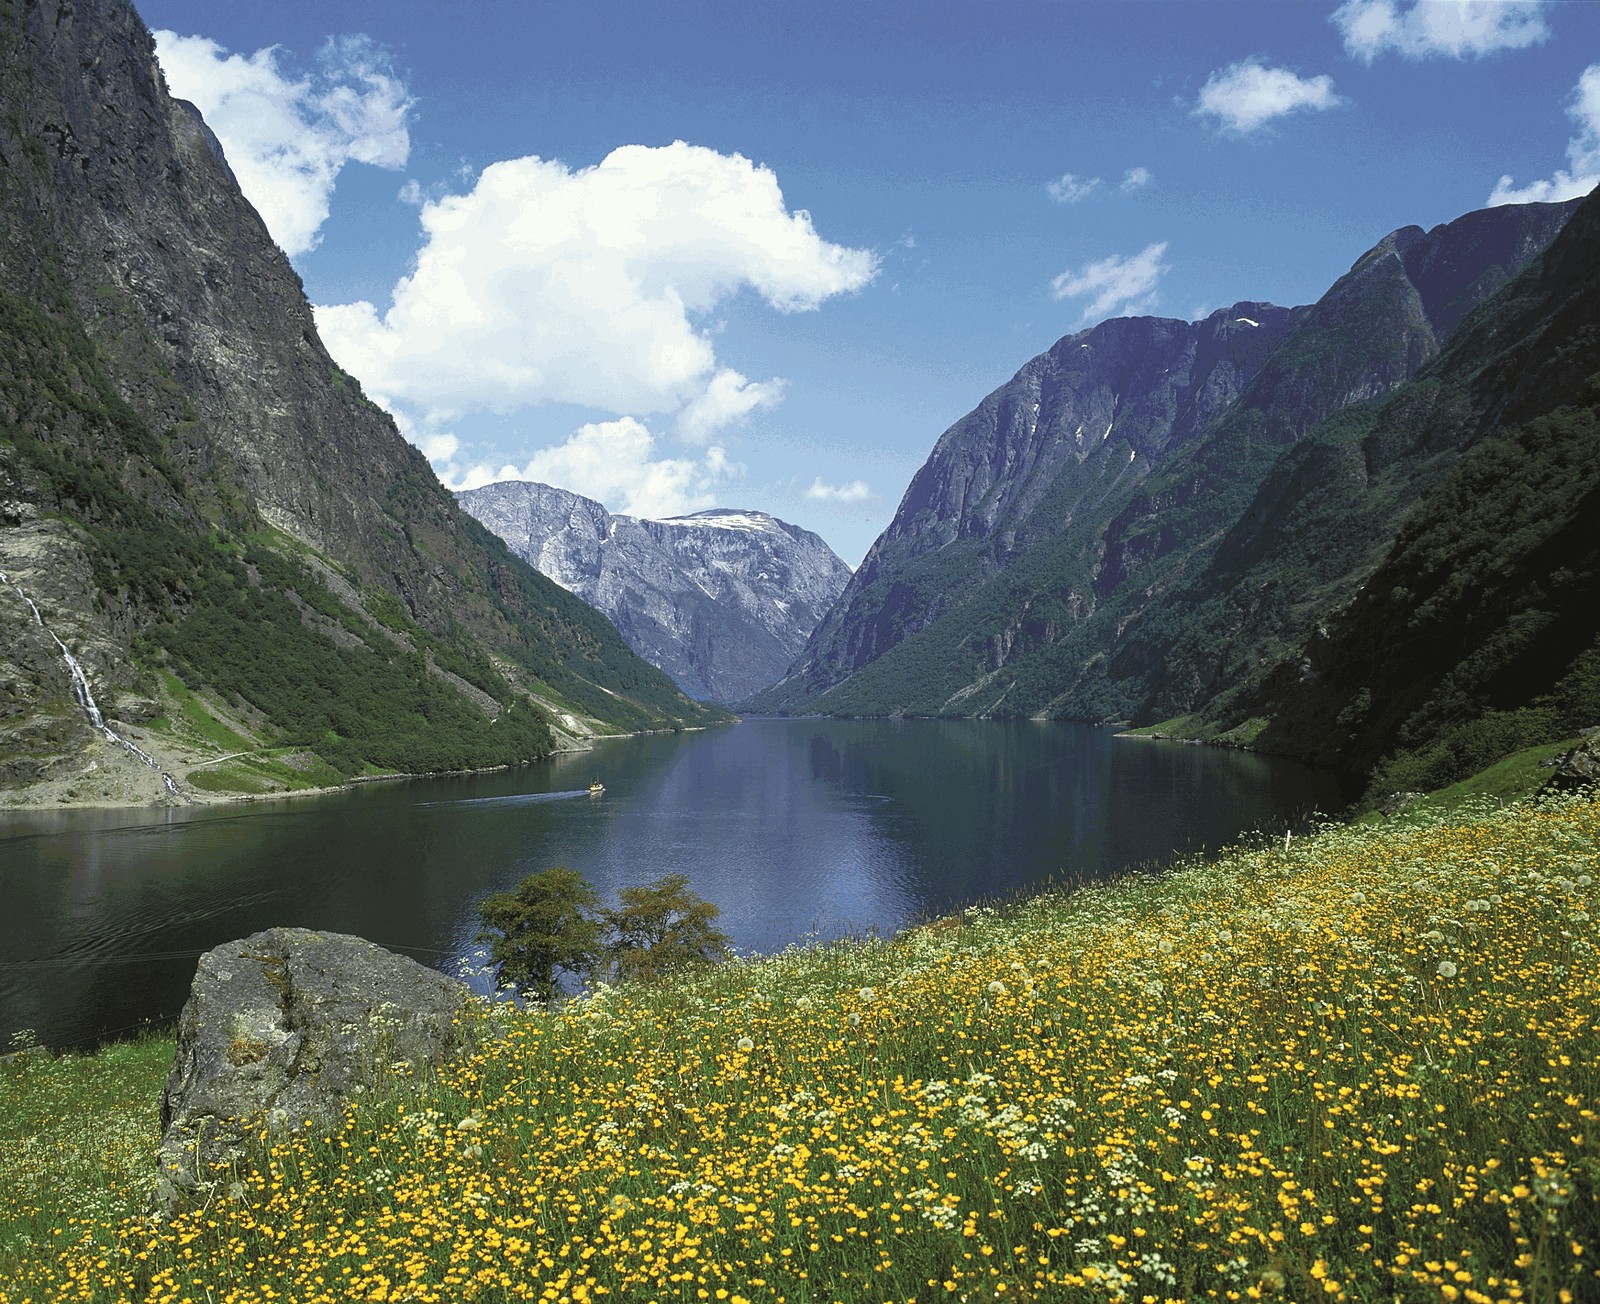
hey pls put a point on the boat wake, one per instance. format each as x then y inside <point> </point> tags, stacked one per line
<point>515,799</point>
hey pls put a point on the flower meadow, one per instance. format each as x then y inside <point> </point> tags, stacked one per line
<point>1360,1066</point>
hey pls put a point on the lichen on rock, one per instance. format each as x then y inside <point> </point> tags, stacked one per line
<point>280,1030</point>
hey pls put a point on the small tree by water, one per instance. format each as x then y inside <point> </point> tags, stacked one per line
<point>543,928</point>
<point>663,928</point>
<point>552,924</point>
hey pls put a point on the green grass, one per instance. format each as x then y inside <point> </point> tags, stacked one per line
<point>1243,734</point>
<point>1181,726</point>
<point>192,719</point>
<point>77,1133</point>
<point>1518,777</point>
<point>281,769</point>
<point>227,778</point>
<point>1362,1065</point>
<point>1198,728</point>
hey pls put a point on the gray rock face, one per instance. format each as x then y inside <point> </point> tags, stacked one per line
<point>1579,768</point>
<point>285,1026</point>
<point>1077,424</point>
<point>721,600</point>
<point>1138,385</point>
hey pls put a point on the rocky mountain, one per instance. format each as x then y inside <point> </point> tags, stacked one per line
<point>721,600</point>
<point>238,550</point>
<point>1051,557</point>
<point>1048,449</point>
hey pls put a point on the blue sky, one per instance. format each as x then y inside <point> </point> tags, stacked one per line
<point>761,255</point>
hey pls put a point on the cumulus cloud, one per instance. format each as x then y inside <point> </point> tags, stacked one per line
<point>545,284</point>
<point>1245,96</point>
<point>854,492</point>
<point>1451,29</point>
<point>727,399</point>
<point>438,448</point>
<point>1136,179</point>
<point>1583,153</point>
<point>287,137</point>
<point>616,463</point>
<point>1116,286</point>
<point>1068,189</point>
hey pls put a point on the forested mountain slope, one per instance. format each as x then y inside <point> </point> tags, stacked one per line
<point>198,500</point>
<point>1479,632</point>
<point>1126,600</point>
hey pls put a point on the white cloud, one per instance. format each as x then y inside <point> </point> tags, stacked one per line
<point>727,399</point>
<point>286,137</point>
<point>854,492</point>
<point>1245,96</point>
<point>1136,179</point>
<point>1453,29</point>
<point>1583,153</point>
<point>1119,286</point>
<point>439,448</point>
<point>614,463</point>
<point>548,284</point>
<point>1068,189</point>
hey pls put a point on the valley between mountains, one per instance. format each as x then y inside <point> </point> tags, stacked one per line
<point>1359,531</point>
<point>964,992</point>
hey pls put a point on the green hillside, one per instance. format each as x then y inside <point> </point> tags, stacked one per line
<point>1210,596</point>
<point>1445,539</point>
<point>238,546</point>
<point>1357,1066</point>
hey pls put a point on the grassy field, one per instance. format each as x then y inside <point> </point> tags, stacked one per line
<point>1360,1066</point>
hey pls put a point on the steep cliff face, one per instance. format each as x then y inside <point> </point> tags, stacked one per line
<point>721,600</point>
<point>1024,572</point>
<point>1079,425</point>
<point>174,435</point>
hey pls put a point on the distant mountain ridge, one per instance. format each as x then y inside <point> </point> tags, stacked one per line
<point>201,502</point>
<point>1164,566</point>
<point>722,600</point>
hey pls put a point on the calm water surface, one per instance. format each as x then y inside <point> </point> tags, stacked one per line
<point>795,828</point>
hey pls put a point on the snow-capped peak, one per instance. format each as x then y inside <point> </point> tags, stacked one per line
<point>722,520</point>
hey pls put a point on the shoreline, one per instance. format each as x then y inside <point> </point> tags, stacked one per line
<point>142,790</point>
<point>138,787</point>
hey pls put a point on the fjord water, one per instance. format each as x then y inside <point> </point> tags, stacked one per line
<point>796,828</point>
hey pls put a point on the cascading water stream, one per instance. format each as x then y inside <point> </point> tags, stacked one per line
<point>85,696</point>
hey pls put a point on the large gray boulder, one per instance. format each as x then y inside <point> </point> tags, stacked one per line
<point>283,1027</point>
<point>1579,768</point>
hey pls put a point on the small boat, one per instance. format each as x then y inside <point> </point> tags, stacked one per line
<point>596,788</point>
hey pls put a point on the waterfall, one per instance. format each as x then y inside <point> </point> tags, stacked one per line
<point>85,695</point>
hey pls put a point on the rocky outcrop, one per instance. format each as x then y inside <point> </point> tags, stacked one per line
<point>1078,427</point>
<point>281,1029</point>
<point>721,600</point>
<point>1578,768</point>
